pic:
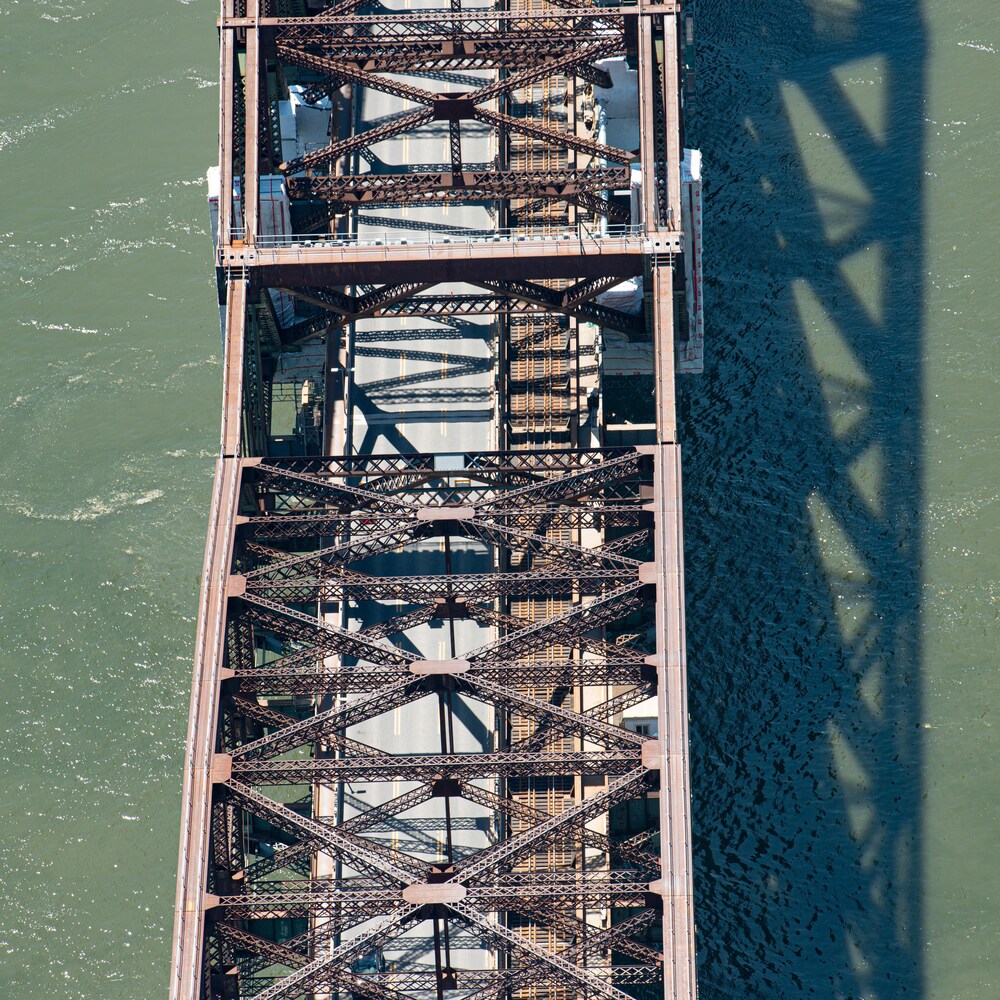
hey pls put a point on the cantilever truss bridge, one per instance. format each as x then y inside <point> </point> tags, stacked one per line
<point>325,853</point>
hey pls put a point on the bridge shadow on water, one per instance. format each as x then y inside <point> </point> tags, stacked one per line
<point>804,499</point>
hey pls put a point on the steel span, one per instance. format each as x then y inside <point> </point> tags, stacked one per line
<point>414,764</point>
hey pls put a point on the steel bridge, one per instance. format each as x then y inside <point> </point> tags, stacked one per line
<point>413,764</point>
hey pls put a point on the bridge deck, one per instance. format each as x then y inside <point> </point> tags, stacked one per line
<point>414,754</point>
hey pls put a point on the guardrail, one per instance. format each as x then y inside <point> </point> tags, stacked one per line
<point>387,238</point>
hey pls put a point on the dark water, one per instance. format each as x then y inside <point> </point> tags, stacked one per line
<point>842,498</point>
<point>821,668</point>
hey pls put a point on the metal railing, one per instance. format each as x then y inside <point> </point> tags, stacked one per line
<point>371,237</point>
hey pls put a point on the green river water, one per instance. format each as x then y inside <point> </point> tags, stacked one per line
<point>842,494</point>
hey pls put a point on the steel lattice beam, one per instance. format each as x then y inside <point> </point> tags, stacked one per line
<point>427,767</point>
<point>417,51</point>
<point>504,520</point>
<point>463,185</point>
<point>537,673</point>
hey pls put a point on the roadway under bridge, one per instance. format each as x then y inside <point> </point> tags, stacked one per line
<point>438,738</point>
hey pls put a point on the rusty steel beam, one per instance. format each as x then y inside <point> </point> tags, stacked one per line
<point>555,965</point>
<point>544,462</point>
<point>277,682</point>
<point>452,307</point>
<point>520,845</point>
<point>326,725</point>
<point>452,107</point>
<point>499,981</point>
<point>551,255</point>
<point>400,27</point>
<point>272,566</point>
<point>367,856</point>
<point>554,301</point>
<point>557,137</point>
<point>360,140</point>
<point>338,583</point>
<point>416,51</point>
<point>617,936</point>
<point>482,498</point>
<point>424,767</point>
<point>461,185</point>
<point>333,968</point>
<point>345,72</point>
<point>566,64</point>
<point>511,806</point>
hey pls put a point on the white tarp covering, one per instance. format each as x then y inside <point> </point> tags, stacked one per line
<point>276,223</point>
<point>308,125</point>
<point>691,354</point>
<point>626,297</point>
<point>214,179</point>
<point>620,103</point>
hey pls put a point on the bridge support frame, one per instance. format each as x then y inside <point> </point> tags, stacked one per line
<point>286,536</point>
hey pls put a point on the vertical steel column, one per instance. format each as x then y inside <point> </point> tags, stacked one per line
<point>210,654</point>
<point>672,117</point>
<point>669,753</point>
<point>251,159</point>
<point>648,79</point>
<point>662,278</point>
<point>227,70</point>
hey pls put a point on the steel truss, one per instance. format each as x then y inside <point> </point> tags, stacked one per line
<point>578,597</point>
<point>265,757</point>
<point>508,297</point>
<point>532,63</point>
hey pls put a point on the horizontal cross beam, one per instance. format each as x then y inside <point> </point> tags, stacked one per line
<point>428,767</point>
<point>469,185</point>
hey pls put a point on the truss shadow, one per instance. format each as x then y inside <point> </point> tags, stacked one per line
<point>804,483</point>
